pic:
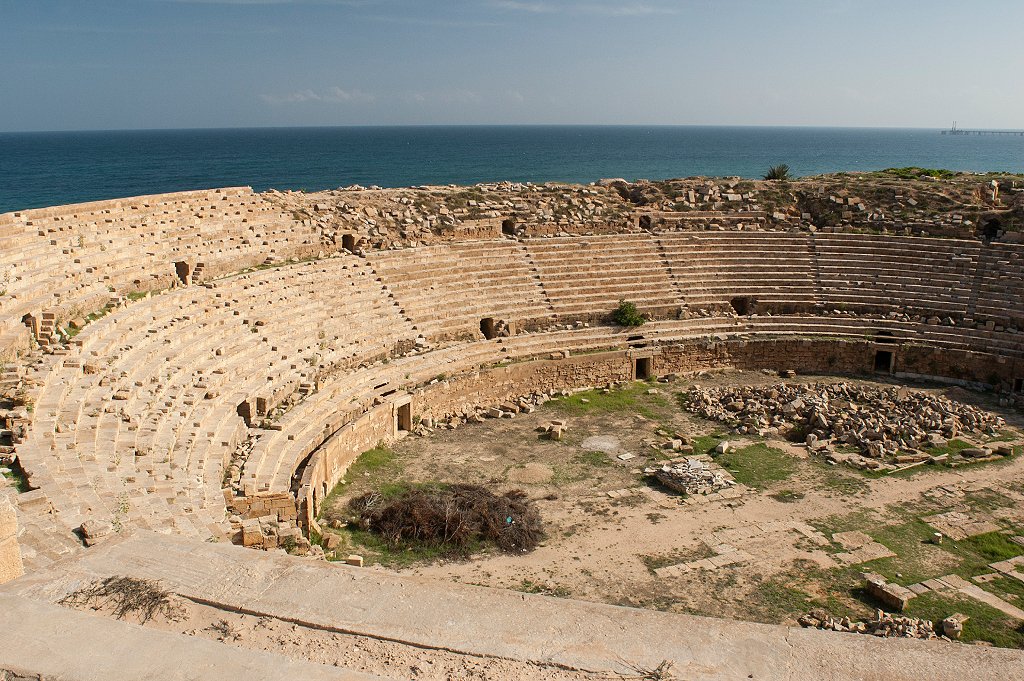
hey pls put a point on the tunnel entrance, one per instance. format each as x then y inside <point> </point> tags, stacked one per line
<point>508,227</point>
<point>642,368</point>
<point>348,242</point>
<point>488,327</point>
<point>883,361</point>
<point>743,305</point>
<point>403,418</point>
<point>183,271</point>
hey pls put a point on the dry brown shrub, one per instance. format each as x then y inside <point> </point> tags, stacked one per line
<point>454,515</point>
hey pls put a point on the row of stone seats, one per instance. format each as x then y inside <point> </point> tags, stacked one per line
<point>713,268</point>
<point>447,289</point>
<point>278,453</point>
<point>139,420</point>
<point>873,273</point>
<point>586,277</point>
<point>70,259</point>
<point>999,285</point>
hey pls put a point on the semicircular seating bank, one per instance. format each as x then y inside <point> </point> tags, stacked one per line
<point>226,361</point>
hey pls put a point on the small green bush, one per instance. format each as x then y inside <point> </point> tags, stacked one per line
<point>779,172</point>
<point>626,314</point>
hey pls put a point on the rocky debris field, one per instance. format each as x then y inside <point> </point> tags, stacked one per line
<point>379,218</point>
<point>863,425</point>
<point>886,625</point>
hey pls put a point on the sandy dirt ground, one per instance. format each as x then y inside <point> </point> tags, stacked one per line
<point>603,549</point>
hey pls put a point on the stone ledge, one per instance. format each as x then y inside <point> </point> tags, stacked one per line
<point>494,622</point>
<point>50,643</point>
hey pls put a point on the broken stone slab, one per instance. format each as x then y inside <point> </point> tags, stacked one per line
<point>953,625</point>
<point>893,596</point>
<point>95,530</point>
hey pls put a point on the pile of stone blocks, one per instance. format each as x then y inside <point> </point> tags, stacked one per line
<point>884,625</point>
<point>270,533</point>
<point>692,475</point>
<point>890,426</point>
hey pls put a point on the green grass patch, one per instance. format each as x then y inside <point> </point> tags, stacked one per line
<point>992,546</point>
<point>985,623</point>
<point>758,466</point>
<point>376,551</point>
<point>630,399</point>
<point>705,444</point>
<point>17,478</point>
<point>778,599</point>
<point>379,467</point>
<point>952,447</point>
<point>787,496</point>
<point>594,459</point>
<point>987,500</point>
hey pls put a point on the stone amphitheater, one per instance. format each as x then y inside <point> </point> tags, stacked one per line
<point>179,363</point>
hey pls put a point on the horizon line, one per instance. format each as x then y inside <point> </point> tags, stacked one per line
<point>484,125</point>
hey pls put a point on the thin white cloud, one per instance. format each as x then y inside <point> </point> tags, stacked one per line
<point>515,5</point>
<point>610,9</point>
<point>331,95</point>
<point>457,96</point>
<point>347,3</point>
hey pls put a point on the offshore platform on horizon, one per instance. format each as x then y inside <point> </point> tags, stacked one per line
<point>961,131</point>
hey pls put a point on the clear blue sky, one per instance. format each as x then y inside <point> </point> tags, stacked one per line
<point>109,64</point>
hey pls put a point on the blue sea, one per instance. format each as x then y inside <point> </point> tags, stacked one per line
<point>44,169</point>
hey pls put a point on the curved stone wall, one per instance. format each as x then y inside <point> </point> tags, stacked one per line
<point>252,391</point>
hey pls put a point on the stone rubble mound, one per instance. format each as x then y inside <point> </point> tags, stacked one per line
<point>885,424</point>
<point>691,476</point>
<point>884,625</point>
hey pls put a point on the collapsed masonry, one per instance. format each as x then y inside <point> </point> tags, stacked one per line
<point>878,428</point>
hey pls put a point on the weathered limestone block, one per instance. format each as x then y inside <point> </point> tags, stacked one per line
<point>95,530</point>
<point>893,596</point>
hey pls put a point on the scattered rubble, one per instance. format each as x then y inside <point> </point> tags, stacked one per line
<point>692,475</point>
<point>884,625</point>
<point>880,428</point>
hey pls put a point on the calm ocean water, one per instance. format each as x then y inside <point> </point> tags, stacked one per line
<point>44,169</point>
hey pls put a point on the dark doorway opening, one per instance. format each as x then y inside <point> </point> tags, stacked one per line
<point>404,417</point>
<point>1018,385</point>
<point>989,228</point>
<point>743,305</point>
<point>488,327</point>
<point>883,361</point>
<point>508,227</point>
<point>348,242</point>
<point>642,368</point>
<point>183,271</point>
<point>645,222</point>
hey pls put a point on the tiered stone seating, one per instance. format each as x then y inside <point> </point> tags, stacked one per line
<point>586,277</point>
<point>713,268</point>
<point>873,273</point>
<point>999,286</point>
<point>139,420</point>
<point>447,289</point>
<point>69,260</point>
